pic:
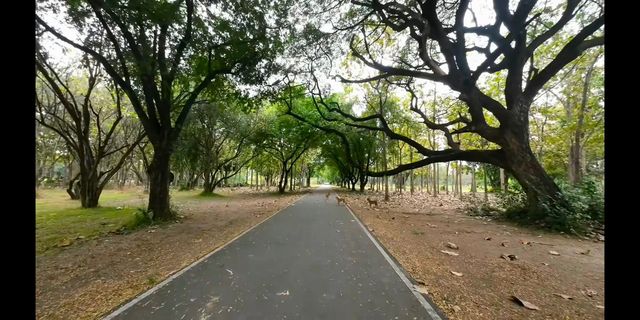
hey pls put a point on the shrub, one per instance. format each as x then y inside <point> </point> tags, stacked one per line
<point>584,206</point>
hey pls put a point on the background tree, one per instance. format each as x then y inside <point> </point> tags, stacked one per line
<point>89,124</point>
<point>164,54</point>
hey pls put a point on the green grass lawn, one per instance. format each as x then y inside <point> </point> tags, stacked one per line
<point>61,221</point>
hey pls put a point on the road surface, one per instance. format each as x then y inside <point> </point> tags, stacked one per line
<point>313,260</point>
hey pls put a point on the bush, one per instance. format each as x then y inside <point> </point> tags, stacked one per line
<point>142,217</point>
<point>585,206</point>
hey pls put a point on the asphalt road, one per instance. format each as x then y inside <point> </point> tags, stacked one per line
<point>313,260</point>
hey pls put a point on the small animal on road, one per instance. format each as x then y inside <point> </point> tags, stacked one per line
<point>339,199</point>
<point>372,202</point>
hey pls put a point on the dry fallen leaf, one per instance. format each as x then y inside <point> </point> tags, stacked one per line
<point>555,253</point>
<point>599,307</point>
<point>487,238</point>
<point>449,252</point>
<point>509,257</point>
<point>584,252</point>
<point>420,288</point>
<point>590,292</point>
<point>504,243</point>
<point>525,242</point>
<point>564,296</point>
<point>544,263</point>
<point>458,309</point>
<point>525,304</point>
<point>459,274</point>
<point>283,293</point>
<point>452,245</point>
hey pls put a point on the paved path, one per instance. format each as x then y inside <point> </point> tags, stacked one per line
<point>313,260</point>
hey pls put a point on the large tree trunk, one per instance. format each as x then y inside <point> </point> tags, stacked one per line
<point>159,185</point>
<point>208,185</point>
<point>363,182</point>
<point>89,188</point>
<point>543,195</point>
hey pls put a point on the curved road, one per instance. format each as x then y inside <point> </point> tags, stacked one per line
<point>312,260</point>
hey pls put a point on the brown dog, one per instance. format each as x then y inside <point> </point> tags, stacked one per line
<point>340,200</point>
<point>372,202</point>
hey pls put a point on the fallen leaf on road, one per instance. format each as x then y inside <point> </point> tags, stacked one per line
<point>555,253</point>
<point>452,245</point>
<point>564,296</point>
<point>589,292</point>
<point>544,263</point>
<point>487,238</point>
<point>283,293</point>
<point>525,242</point>
<point>457,309</point>
<point>459,274</point>
<point>421,289</point>
<point>584,252</point>
<point>600,307</point>
<point>525,304</point>
<point>504,243</point>
<point>230,272</point>
<point>449,252</point>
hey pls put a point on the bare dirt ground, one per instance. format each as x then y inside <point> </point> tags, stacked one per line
<point>92,278</point>
<point>415,230</point>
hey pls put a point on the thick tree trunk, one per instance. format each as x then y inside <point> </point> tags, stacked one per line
<point>543,195</point>
<point>159,202</point>
<point>89,188</point>
<point>363,182</point>
<point>208,185</point>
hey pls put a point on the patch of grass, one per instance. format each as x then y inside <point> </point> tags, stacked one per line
<point>416,232</point>
<point>152,280</point>
<point>61,227</point>
<point>61,221</point>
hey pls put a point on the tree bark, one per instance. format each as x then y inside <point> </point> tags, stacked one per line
<point>159,185</point>
<point>543,195</point>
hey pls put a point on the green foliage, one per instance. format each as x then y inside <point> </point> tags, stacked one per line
<point>584,206</point>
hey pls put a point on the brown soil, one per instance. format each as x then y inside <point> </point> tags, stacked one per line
<point>415,230</point>
<point>92,278</point>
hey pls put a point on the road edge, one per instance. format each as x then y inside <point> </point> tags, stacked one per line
<point>425,301</point>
